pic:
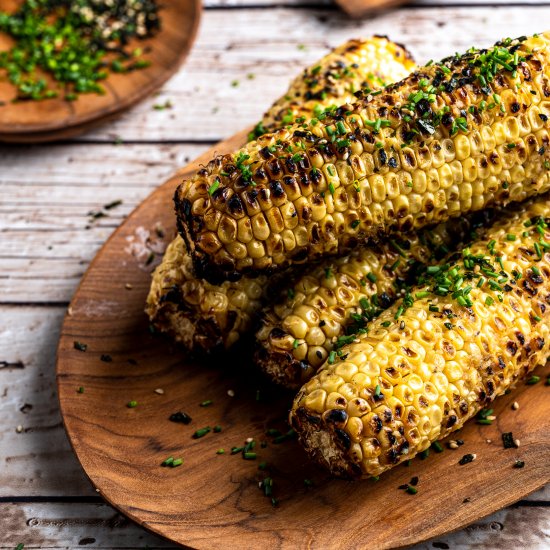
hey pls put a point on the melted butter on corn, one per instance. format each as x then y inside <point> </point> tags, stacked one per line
<point>422,371</point>
<point>433,146</point>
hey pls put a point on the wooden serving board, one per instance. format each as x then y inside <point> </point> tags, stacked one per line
<point>213,500</point>
<point>54,119</point>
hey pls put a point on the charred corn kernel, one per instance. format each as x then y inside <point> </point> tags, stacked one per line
<point>340,296</point>
<point>195,313</point>
<point>427,110</point>
<point>333,80</point>
<point>203,316</point>
<point>488,336</point>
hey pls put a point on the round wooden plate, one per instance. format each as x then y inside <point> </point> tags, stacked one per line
<point>48,120</point>
<point>213,500</point>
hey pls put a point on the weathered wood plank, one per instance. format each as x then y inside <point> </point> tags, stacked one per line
<point>207,106</point>
<point>45,245</point>
<point>69,525</point>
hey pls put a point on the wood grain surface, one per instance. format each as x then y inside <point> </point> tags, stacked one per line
<point>214,500</point>
<point>48,238</point>
<point>54,119</point>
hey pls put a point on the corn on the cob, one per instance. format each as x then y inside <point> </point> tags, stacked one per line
<point>201,316</point>
<point>330,303</point>
<point>451,138</point>
<point>357,64</point>
<point>469,331</point>
<point>205,317</point>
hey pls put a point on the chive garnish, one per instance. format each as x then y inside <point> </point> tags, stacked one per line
<point>201,432</point>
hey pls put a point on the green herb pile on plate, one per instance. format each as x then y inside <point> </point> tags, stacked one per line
<point>76,43</point>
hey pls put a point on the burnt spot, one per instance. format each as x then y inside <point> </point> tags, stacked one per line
<point>511,348</point>
<point>340,401</point>
<point>343,438</point>
<point>338,417</point>
<point>392,163</point>
<point>383,157</point>
<point>274,168</point>
<point>515,107</point>
<point>408,158</point>
<point>463,408</point>
<point>521,338</point>
<point>423,402</point>
<point>277,333</point>
<point>490,388</point>
<point>538,343</point>
<point>265,153</point>
<point>501,362</point>
<point>376,424</point>
<point>315,234</point>
<point>536,279</point>
<point>452,420</point>
<point>384,300</point>
<point>234,205</point>
<point>391,438</point>
<point>529,288</point>
<point>393,456</point>
<point>388,416</point>
<point>276,189</point>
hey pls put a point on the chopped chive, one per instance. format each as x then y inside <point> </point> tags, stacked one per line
<point>201,433</point>
<point>177,462</point>
<point>533,380</point>
<point>168,461</point>
<point>214,187</point>
<point>437,447</point>
<point>411,490</point>
<point>372,277</point>
<point>217,429</point>
<point>249,456</point>
<point>206,403</point>
<point>80,389</point>
<point>220,451</point>
<point>132,404</point>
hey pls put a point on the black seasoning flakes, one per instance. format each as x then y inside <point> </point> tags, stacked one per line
<point>466,459</point>
<point>180,417</point>
<point>106,358</point>
<point>519,464</point>
<point>508,441</point>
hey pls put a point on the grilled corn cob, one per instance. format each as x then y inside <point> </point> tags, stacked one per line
<point>205,317</point>
<point>327,306</point>
<point>466,334</point>
<point>451,138</point>
<point>201,316</point>
<point>334,79</point>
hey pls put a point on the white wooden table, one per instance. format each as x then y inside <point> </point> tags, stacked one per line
<point>245,54</point>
